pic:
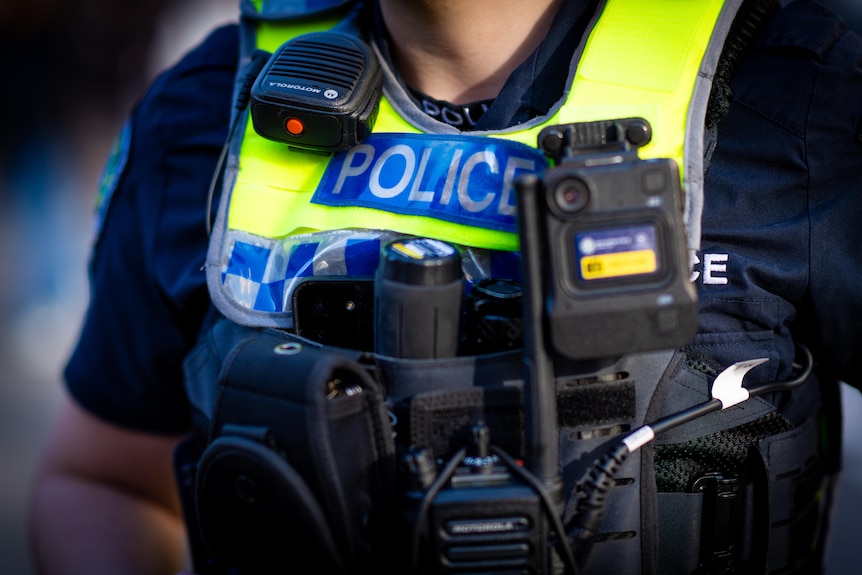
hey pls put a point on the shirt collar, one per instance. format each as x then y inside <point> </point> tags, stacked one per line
<point>538,82</point>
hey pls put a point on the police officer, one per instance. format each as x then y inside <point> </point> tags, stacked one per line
<point>777,263</point>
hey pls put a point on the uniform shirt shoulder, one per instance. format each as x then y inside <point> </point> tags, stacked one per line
<point>804,25</point>
<point>181,95</point>
<point>186,90</point>
<point>805,63</point>
<point>146,268</point>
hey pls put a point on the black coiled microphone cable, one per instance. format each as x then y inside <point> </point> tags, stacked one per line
<point>258,60</point>
<point>726,392</point>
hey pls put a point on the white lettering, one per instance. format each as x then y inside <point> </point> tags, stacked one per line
<point>452,117</point>
<point>506,207</point>
<point>417,195</point>
<point>311,89</point>
<point>387,173</point>
<point>468,203</point>
<point>498,526</point>
<point>468,112</point>
<point>347,168</point>
<point>446,197</point>
<point>712,264</point>
<point>410,164</point>
<point>430,108</point>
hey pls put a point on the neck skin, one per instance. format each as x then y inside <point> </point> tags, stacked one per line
<point>462,51</point>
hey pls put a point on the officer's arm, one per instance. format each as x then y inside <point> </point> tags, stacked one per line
<point>105,501</point>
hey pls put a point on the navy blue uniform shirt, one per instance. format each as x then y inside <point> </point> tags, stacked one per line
<point>780,256</point>
<point>148,292</point>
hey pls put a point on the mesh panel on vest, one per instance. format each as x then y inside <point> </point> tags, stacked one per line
<point>677,464</point>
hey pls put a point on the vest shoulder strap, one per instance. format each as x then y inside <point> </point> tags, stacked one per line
<point>289,9</point>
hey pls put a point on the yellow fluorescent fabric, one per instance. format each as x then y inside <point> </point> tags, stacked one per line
<point>644,56</point>
<point>275,183</point>
<point>641,60</point>
<point>271,36</point>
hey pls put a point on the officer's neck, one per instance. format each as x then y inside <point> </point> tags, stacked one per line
<point>463,51</point>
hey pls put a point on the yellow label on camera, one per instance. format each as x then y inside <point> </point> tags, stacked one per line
<point>614,265</point>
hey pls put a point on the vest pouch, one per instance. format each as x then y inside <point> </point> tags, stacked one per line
<point>299,462</point>
<point>255,509</point>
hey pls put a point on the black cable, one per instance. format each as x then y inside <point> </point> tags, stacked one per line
<point>595,489</point>
<point>258,59</point>
<point>600,479</point>
<point>788,384</point>
<point>433,489</point>
<point>563,545</point>
<point>677,419</point>
<point>214,182</point>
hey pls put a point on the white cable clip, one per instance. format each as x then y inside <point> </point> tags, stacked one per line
<point>639,437</point>
<point>727,387</point>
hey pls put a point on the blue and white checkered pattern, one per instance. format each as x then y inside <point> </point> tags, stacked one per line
<point>261,273</point>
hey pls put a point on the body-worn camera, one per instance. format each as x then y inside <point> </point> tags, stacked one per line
<point>613,242</point>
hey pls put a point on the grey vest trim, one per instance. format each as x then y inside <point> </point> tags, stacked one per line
<point>694,145</point>
<point>285,10</point>
<point>695,137</point>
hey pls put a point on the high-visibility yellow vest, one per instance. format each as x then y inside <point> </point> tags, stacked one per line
<point>281,216</point>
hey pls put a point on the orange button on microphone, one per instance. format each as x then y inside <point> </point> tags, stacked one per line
<point>294,126</point>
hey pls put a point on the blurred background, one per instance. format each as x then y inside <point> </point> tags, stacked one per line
<point>73,70</point>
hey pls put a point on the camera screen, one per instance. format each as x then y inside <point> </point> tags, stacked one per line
<point>617,253</point>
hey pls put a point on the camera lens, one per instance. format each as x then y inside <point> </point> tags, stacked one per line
<point>319,306</point>
<point>571,195</point>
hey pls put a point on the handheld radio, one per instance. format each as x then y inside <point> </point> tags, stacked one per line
<point>318,92</point>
